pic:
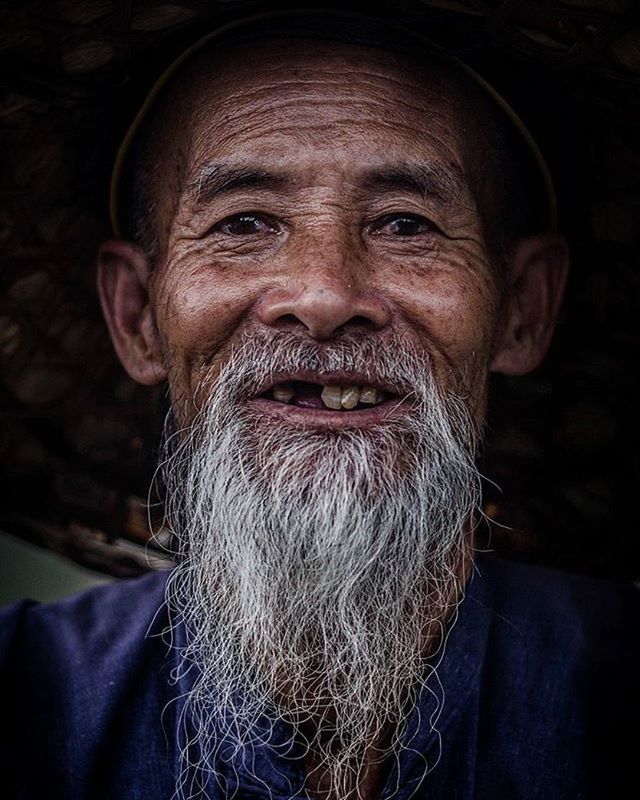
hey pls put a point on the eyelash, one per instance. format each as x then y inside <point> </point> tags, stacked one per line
<point>380,222</point>
<point>245,215</point>
<point>375,227</point>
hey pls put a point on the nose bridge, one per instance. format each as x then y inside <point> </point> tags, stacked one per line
<point>332,263</point>
<point>327,287</point>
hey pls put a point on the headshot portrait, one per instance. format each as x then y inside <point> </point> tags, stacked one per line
<point>318,341</point>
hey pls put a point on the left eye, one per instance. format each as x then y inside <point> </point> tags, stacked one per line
<point>246,225</point>
<point>403,225</point>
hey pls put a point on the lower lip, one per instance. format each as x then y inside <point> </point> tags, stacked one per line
<point>329,420</point>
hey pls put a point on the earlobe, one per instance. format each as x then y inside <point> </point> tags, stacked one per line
<point>123,273</point>
<point>537,273</point>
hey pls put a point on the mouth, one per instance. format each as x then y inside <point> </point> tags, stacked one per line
<point>330,401</point>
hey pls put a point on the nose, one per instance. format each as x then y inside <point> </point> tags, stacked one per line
<point>325,300</point>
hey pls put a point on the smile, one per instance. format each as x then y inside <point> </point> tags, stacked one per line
<point>335,397</point>
<point>332,402</point>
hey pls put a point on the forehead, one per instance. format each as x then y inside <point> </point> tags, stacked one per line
<point>309,103</point>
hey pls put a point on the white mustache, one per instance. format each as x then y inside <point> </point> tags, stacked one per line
<point>261,356</point>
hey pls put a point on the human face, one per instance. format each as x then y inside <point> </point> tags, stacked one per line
<point>326,190</point>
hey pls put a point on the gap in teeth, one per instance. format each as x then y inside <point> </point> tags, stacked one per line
<point>334,397</point>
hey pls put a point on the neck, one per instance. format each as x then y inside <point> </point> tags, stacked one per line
<point>372,775</point>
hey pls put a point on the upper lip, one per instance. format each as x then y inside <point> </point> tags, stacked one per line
<point>327,379</point>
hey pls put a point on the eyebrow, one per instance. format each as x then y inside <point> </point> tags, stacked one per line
<point>440,180</point>
<point>218,179</point>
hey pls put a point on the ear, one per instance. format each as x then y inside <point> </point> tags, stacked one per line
<point>123,279</point>
<point>537,274</point>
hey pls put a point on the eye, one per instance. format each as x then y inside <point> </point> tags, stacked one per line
<point>246,225</point>
<point>403,225</point>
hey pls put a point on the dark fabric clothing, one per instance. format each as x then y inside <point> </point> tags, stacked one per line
<point>536,678</point>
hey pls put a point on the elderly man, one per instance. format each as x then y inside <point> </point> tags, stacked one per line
<point>329,237</point>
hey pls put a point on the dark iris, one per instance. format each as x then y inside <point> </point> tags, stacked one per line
<point>245,225</point>
<point>404,225</point>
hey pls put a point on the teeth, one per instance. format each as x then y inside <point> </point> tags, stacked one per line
<point>369,396</point>
<point>332,397</point>
<point>350,397</point>
<point>283,392</point>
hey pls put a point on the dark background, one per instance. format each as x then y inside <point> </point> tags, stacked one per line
<point>78,439</point>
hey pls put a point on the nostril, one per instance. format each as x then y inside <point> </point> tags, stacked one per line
<point>288,321</point>
<point>358,324</point>
<point>361,322</point>
<point>322,313</point>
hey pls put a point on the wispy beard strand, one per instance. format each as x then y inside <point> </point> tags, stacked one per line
<point>315,568</point>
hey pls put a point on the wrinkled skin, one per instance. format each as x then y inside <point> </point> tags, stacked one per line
<point>325,250</point>
<point>332,243</point>
<point>326,256</point>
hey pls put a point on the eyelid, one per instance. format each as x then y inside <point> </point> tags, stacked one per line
<point>268,219</point>
<point>382,220</point>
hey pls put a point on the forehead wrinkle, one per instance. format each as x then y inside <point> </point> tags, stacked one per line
<point>333,94</point>
<point>401,85</point>
<point>327,138</point>
<point>408,86</point>
<point>336,82</point>
<point>305,59</point>
<point>403,88</point>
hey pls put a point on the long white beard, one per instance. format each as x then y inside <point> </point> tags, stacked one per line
<point>315,566</point>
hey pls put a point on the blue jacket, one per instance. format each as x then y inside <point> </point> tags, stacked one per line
<point>537,683</point>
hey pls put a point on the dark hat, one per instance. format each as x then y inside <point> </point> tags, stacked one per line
<point>79,438</point>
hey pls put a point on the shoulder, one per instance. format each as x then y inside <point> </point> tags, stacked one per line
<point>106,615</point>
<point>560,666</point>
<point>87,638</point>
<point>74,672</point>
<point>552,606</point>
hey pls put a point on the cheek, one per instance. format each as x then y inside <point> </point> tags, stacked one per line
<point>454,312</point>
<point>198,309</point>
<point>457,313</point>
